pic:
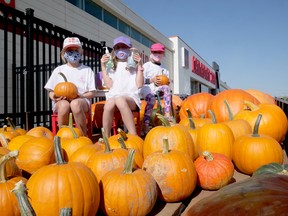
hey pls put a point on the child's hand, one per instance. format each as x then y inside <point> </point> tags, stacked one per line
<point>105,58</point>
<point>137,57</point>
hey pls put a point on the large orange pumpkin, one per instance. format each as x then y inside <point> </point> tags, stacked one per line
<point>262,97</point>
<point>254,150</point>
<point>35,153</point>
<point>178,135</point>
<point>64,184</point>
<point>128,191</point>
<point>235,98</point>
<point>215,137</point>
<point>66,89</point>
<point>174,172</point>
<point>198,104</point>
<point>41,131</point>
<point>273,123</point>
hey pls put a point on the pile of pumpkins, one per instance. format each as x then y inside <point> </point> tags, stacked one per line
<point>126,174</point>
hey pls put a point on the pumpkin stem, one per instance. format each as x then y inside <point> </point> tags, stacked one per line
<point>191,122</point>
<point>64,77</point>
<point>106,142</point>
<point>256,126</point>
<point>231,117</point>
<point>164,121</point>
<point>20,191</point>
<point>3,161</point>
<point>65,212</point>
<point>165,145</point>
<point>3,141</point>
<point>212,116</point>
<point>122,143</point>
<point>251,105</point>
<point>128,168</point>
<point>11,123</point>
<point>58,151</point>
<point>208,156</point>
<point>122,134</point>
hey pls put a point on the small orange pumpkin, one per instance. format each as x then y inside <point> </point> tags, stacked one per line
<point>66,89</point>
<point>164,80</point>
<point>214,170</point>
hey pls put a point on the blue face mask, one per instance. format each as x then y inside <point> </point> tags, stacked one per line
<point>122,53</point>
<point>72,56</point>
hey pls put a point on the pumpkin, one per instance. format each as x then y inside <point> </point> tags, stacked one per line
<point>87,152</point>
<point>235,98</point>
<point>259,195</point>
<point>254,150</point>
<point>128,141</point>
<point>262,97</point>
<point>35,153</point>
<point>198,104</point>
<point>214,170</point>
<point>238,127</point>
<point>273,123</point>
<point>128,191</point>
<point>67,132</point>
<point>17,142</point>
<point>163,79</point>
<point>108,159</point>
<point>174,172</point>
<point>63,184</point>
<point>178,135</point>
<point>73,144</point>
<point>8,135</point>
<point>215,137</point>
<point>66,89</point>
<point>12,126</point>
<point>272,168</point>
<point>8,204</point>
<point>20,191</point>
<point>12,169</point>
<point>97,113</point>
<point>40,131</point>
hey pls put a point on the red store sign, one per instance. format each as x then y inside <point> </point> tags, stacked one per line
<point>10,3</point>
<point>203,71</point>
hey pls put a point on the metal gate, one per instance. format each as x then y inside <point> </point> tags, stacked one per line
<point>29,51</point>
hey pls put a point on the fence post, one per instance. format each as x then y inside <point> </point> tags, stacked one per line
<point>30,65</point>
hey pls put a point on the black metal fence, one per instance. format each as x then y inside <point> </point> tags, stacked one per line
<point>31,50</point>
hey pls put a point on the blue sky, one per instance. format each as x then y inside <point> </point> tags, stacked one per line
<point>247,38</point>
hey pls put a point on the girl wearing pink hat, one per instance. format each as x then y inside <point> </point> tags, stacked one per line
<point>123,84</point>
<point>152,84</point>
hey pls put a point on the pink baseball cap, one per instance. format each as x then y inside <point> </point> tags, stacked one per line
<point>122,40</point>
<point>71,42</point>
<point>157,47</point>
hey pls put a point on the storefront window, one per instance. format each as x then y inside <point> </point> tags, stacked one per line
<point>123,27</point>
<point>93,9</point>
<point>110,19</point>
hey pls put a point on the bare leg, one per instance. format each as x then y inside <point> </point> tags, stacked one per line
<point>63,109</point>
<point>125,105</point>
<point>79,108</point>
<point>108,115</point>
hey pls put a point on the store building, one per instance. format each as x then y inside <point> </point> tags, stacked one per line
<point>103,20</point>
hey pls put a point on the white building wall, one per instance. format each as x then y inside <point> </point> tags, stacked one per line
<point>74,19</point>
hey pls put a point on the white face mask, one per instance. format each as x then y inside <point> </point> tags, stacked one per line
<point>122,53</point>
<point>156,57</point>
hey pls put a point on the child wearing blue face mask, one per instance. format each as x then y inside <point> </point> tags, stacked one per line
<point>82,76</point>
<point>123,84</point>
